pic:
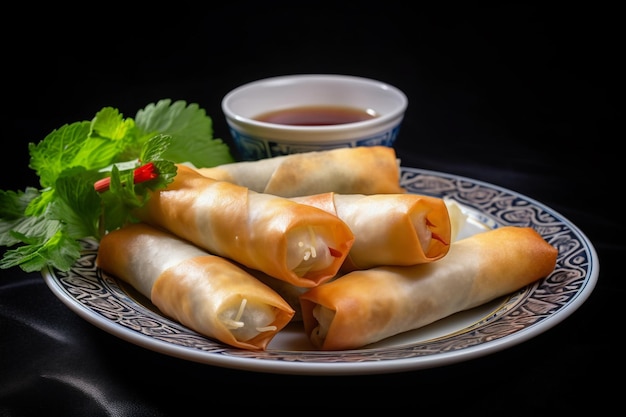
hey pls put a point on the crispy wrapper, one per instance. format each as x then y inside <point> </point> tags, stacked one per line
<point>366,306</point>
<point>300,244</point>
<point>204,292</point>
<point>289,292</point>
<point>359,170</point>
<point>389,229</point>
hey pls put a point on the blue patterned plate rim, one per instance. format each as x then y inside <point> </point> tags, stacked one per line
<point>108,304</point>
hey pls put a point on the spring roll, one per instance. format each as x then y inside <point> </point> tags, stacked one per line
<point>359,170</point>
<point>204,292</point>
<point>366,306</point>
<point>289,292</point>
<point>294,242</point>
<point>389,229</point>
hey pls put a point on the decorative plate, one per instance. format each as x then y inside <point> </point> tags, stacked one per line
<point>110,304</point>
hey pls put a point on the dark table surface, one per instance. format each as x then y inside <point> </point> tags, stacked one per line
<point>518,96</point>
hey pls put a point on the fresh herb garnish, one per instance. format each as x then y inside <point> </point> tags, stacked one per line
<point>94,174</point>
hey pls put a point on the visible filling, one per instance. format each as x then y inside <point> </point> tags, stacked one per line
<point>422,229</point>
<point>307,252</point>
<point>457,218</point>
<point>248,319</point>
<point>324,317</point>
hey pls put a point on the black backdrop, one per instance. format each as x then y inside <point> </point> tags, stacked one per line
<point>520,96</point>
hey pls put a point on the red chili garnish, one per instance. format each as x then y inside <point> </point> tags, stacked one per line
<point>102,185</point>
<point>335,253</point>
<point>142,174</point>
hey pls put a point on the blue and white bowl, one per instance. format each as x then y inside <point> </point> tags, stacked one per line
<point>257,140</point>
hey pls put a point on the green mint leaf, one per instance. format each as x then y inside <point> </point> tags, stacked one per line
<point>14,203</point>
<point>77,205</point>
<point>56,152</point>
<point>109,136</point>
<point>110,123</point>
<point>39,204</point>
<point>155,147</point>
<point>12,208</point>
<point>48,223</point>
<point>59,251</point>
<point>120,200</point>
<point>167,171</point>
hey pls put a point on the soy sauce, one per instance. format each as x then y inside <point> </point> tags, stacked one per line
<point>316,116</point>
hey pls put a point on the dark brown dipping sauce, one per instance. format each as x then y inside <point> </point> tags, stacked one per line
<point>315,116</point>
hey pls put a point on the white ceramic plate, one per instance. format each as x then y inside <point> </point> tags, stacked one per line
<point>111,305</point>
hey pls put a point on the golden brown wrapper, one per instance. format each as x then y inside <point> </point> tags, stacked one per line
<point>366,306</point>
<point>204,292</point>
<point>289,292</point>
<point>358,170</point>
<point>389,229</point>
<point>300,244</point>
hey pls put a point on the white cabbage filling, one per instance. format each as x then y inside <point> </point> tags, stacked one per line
<point>458,218</point>
<point>424,234</point>
<point>307,251</point>
<point>324,317</point>
<point>247,320</point>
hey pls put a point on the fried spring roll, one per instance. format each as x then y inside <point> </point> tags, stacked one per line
<point>289,292</point>
<point>204,292</point>
<point>363,307</point>
<point>359,170</point>
<point>389,229</point>
<point>294,242</point>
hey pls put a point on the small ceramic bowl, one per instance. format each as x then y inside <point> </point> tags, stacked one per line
<point>312,112</point>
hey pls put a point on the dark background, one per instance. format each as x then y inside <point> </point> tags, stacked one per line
<point>520,96</point>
